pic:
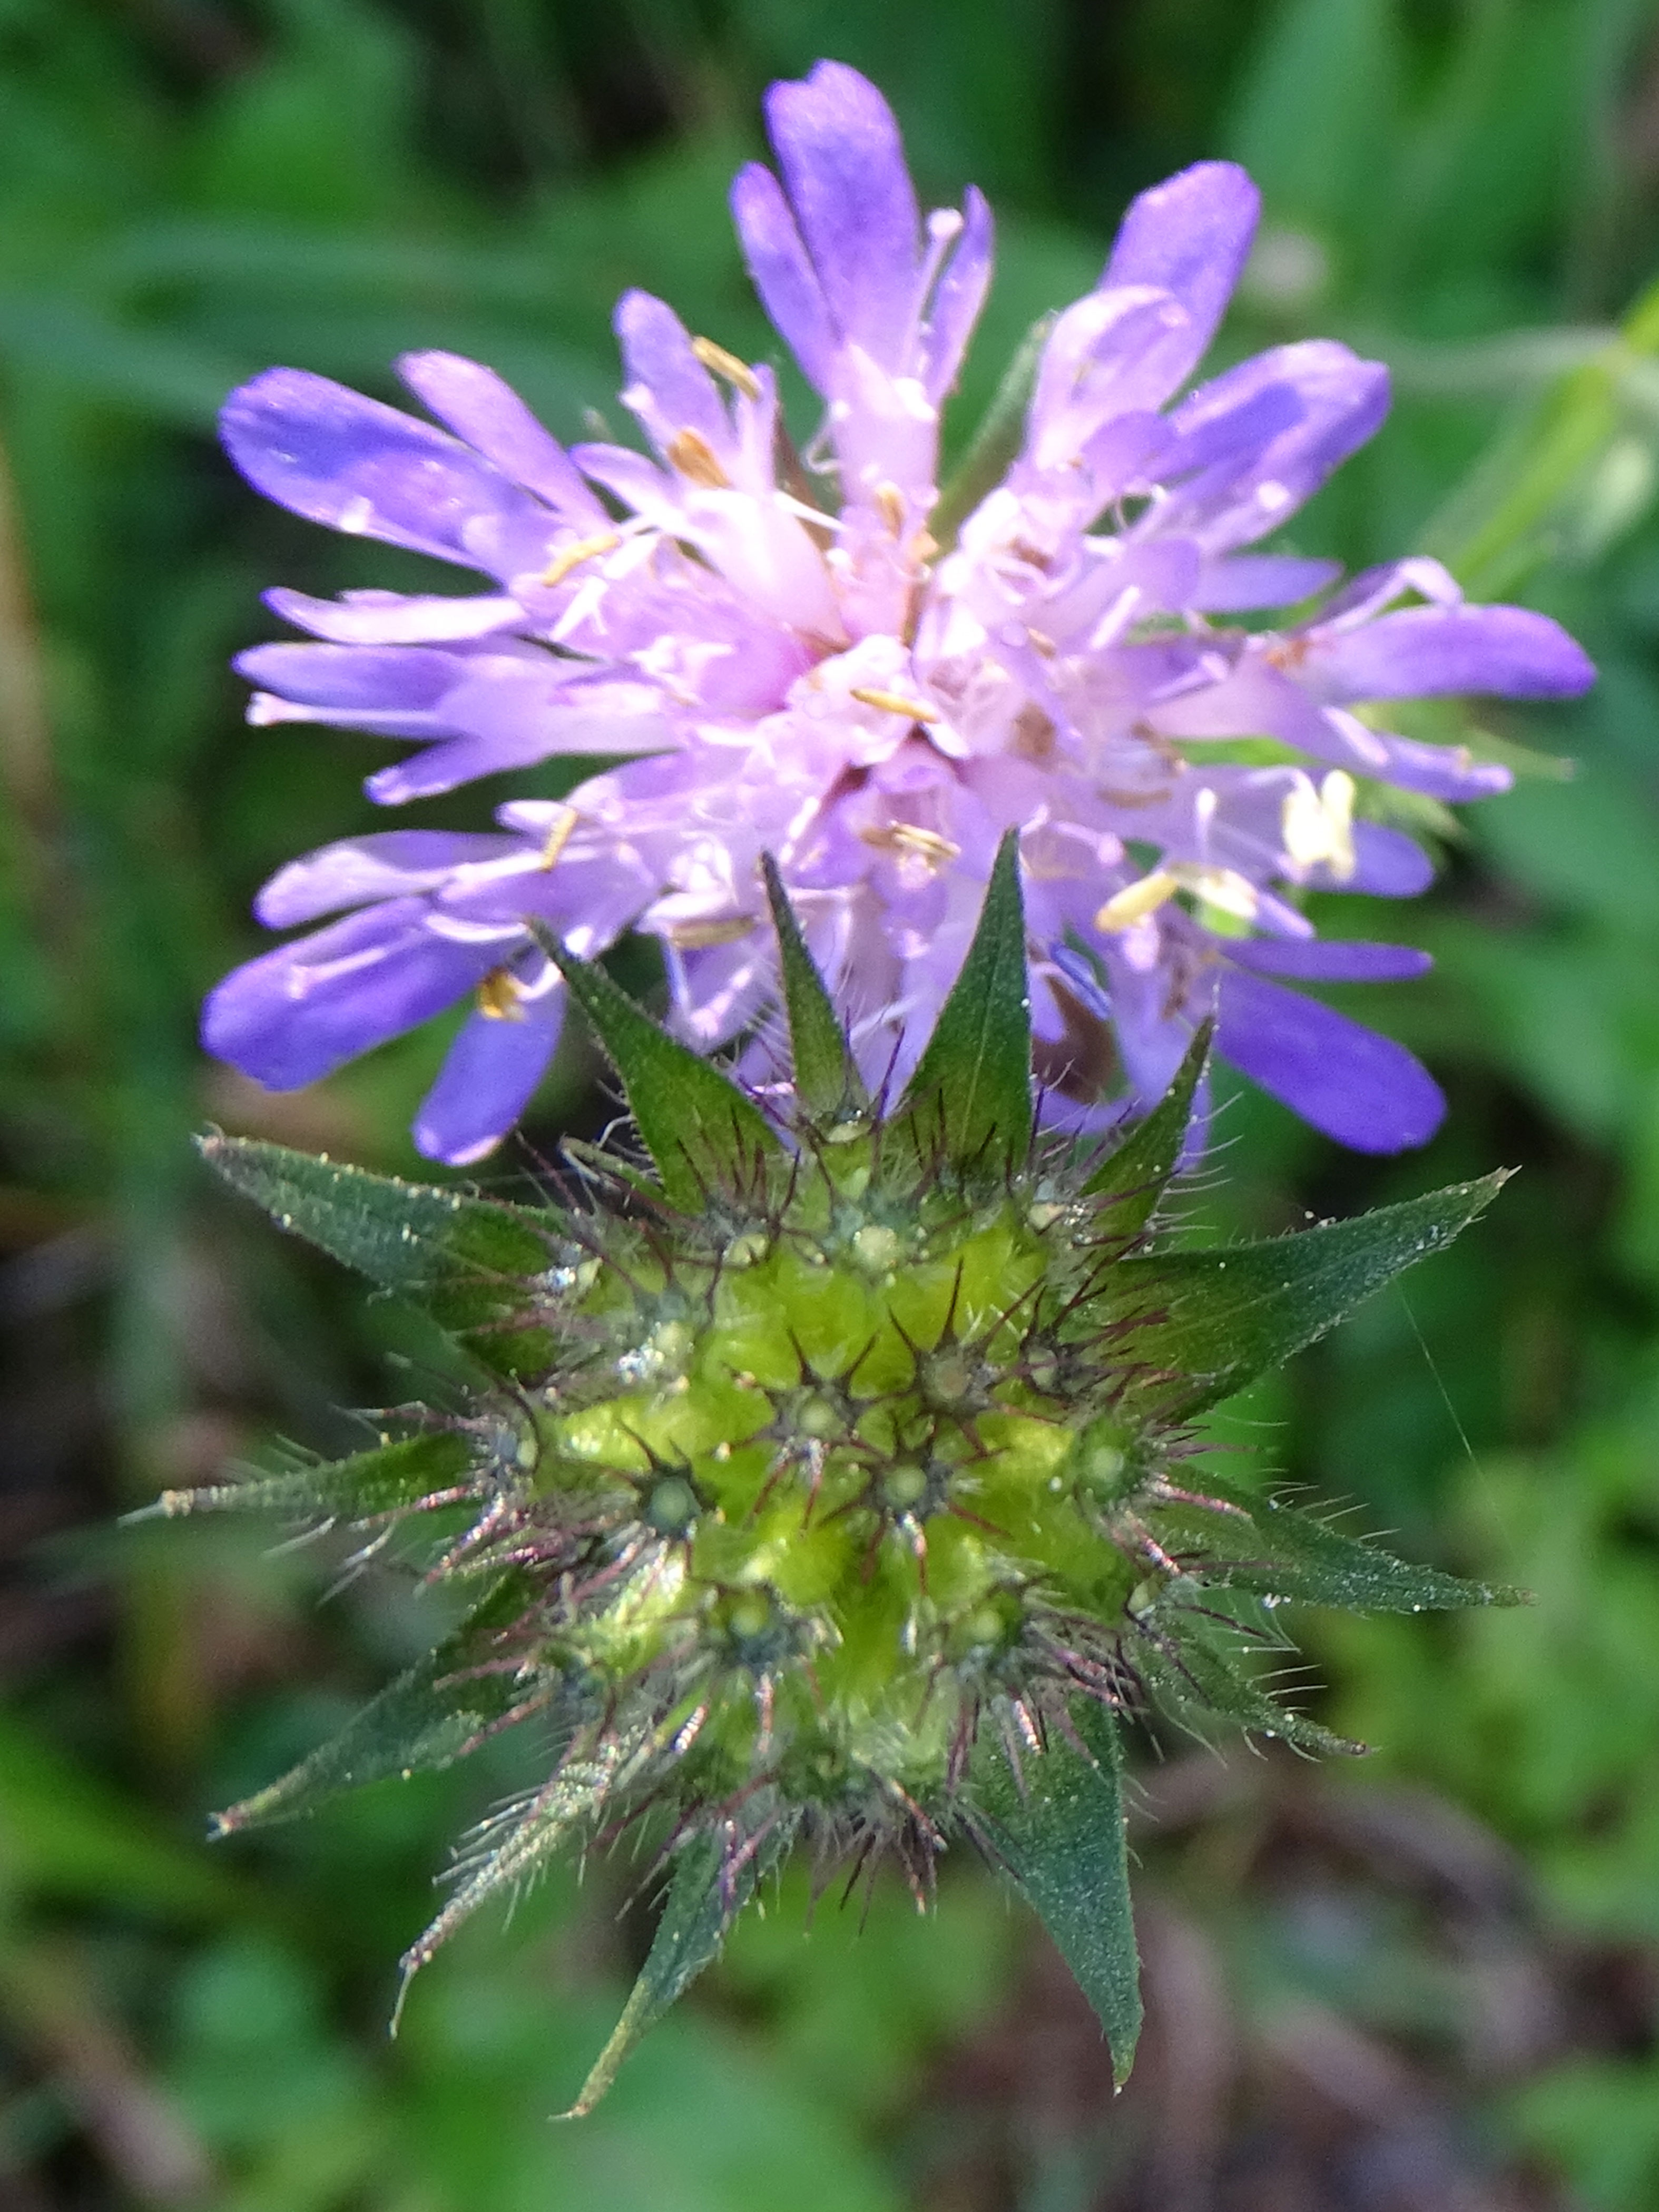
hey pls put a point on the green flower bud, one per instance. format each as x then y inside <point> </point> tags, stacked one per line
<point>837,1485</point>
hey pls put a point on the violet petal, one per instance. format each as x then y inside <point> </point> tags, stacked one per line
<point>1245,581</point>
<point>679,393</point>
<point>1422,650</point>
<point>1340,401</point>
<point>395,619</point>
<point>959,296</point>
<point>479,407</point>
<point>1111,353</point>
<point>485,1082</point>
<point>391,864</point>
<point>493,728</point>
<point>295,1014</point>
<point>838,147</point>
<point>1365,596</point>
<point>337,457</point>
<point>1328,960</point>
<point>394,678</point>
<point>1363,1090</point>
<point>1387,863</point>
<point>1449,772</point>
<point>1190,235</point>
<point>781,271</point>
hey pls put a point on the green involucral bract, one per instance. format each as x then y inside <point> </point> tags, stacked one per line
<point>828,1478</point>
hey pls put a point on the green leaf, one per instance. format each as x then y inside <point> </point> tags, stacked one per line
<point>1061,1838</point>
<point>996,441</point>
<point>67,1835</point>
<point>1216,1318</point>
<point>696,1125</point>
<point>1183,1659</point>
<point>361,1488</point>
<point>1528,492</point>
<point>1136,1174</point>
<point>826,1080</point>
<point>467,1261</point>
<point>704,1899</point>
<point>972,1087</point>
<point>85,349</point>
<point>431,1716</point>
<point>1276,1550</point>
<point>1315,113</point>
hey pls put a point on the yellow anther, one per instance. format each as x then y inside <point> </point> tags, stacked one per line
<point>891,501</point>
<point>738,373</point>
<point>894,702</point>
<point>697,460</point>
<point>1224,889</point>
<point>573,555</point>
<point>922,547</point>
<point>696,936</point>
<point>1136,901</point>
<point>1033,737</point>
<point>559,836</point>
<point>498,997</point>
<point>911,837</point>
<point>1318,827</point>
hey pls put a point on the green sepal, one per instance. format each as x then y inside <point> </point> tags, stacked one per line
<point>1059,1830</point>
<point>701,1130</point>
<point>971,1094</point>
<point>996,443</point>
<point>567,1805</point>
<point>431,1716</point>
<point>826,1080</point>
<point>604,1167</point>
<point>704,1897</point>
<point>390,1479</point>
<point>1187,1661</point>
<point>463,1259</point>
<point>1217,1319</point>
<point>1134,1177</point>
<point>1274,1550</point>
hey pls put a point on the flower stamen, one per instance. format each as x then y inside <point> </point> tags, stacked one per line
<point>499,996</point>
<point>585,549</point>
<point>1224,889</point>
<point>558,837</point>
<point>894,703</point>
<point>911,837</point>
<point>1135,902</point>
<point>1318,826</point>
<point>697,461</point>
<point>719,362</point>
<point>697,936</point>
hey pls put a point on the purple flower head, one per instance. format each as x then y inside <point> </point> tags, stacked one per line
<point>782,658</point>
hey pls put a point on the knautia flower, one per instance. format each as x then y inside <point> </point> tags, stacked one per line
<point>824,657</point>
<point>830,1476</point>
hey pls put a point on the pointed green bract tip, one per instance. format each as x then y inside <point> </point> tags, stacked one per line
<point>1136,1174</point>
<point>827,1477</point>
<point>702,1131</point>
<point>827,1080</point>
<point>969,1098</point>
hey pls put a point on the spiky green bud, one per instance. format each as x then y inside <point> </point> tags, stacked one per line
<point>834,1482</point>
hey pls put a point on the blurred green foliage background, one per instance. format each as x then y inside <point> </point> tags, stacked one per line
<point>1432,1981</point>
